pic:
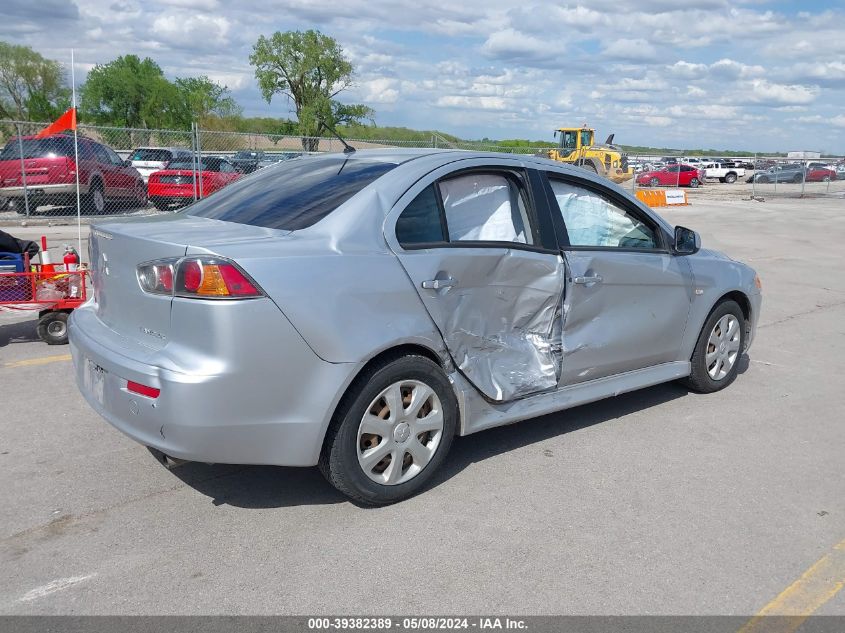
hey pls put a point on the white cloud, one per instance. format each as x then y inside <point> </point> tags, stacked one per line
<point>512,44</point>
<point>631,50</point>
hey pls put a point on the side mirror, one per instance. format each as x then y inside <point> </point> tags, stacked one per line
<point>127,163</point>
<point>687,241</point>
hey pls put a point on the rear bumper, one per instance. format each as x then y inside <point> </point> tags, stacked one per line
<point>245,400</point>
<point>44,191</point>
<point>166,200</point>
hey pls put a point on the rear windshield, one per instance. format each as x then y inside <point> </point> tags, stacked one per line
<point>152,155</point>
<point>38,148</point>
<point>293,195</point>
<point>207,164</point>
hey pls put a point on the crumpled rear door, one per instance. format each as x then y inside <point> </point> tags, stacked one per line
<point>497,303</point>
<point>501,319</point>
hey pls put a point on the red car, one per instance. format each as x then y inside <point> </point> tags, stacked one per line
<point>820,174</point>
<point>50,166</point>
<point>672,176</point>
<point>176,185</point>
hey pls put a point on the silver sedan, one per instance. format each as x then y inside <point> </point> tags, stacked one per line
<point>357,311</point>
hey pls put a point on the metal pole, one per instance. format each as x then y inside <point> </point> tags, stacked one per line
<point>199,162</point>
<point>754,178</point>
<point>803,177</point>
<point>23,170</point>
<point>194,158</point>
<point>76,158</point>
<point>776,178</point>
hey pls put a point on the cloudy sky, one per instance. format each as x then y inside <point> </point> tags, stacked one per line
<point>745,74</point>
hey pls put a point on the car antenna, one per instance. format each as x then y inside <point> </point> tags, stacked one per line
<point>347,148</point>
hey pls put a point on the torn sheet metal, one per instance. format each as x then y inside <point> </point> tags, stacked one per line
<point>502,324</point>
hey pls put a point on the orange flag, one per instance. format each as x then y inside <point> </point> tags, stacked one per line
<point>65,122</point>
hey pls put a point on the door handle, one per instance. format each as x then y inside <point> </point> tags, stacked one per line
<point>596,279</point>
<point>437,284</point>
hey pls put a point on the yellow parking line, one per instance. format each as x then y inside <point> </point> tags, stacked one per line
<point>37,361</point>
<point>797,602</point>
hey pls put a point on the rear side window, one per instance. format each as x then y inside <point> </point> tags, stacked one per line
<point>38,148</point>
<point>420,222</point>
<point>484,208</point>
<point>293,195</point>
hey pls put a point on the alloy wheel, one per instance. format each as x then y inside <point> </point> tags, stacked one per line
<point>723,347</point>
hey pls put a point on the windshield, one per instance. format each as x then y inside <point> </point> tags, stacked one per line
<point>50,147</point>
<point>293,195</point>
<point>152,155</point>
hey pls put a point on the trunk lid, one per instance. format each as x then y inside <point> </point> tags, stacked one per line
<point>117,248</point>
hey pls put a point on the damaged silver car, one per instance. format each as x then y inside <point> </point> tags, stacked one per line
<point>357,311</point>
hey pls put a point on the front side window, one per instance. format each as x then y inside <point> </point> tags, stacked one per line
<point>593,220</point>
<point>483,207</point>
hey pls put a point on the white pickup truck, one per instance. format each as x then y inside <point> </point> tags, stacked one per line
<point>713,171</point>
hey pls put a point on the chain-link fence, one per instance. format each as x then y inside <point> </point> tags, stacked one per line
<point>753,176</point>
<point>137,171</point>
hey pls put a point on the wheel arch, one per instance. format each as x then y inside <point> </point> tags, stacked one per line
<point>377,360</point>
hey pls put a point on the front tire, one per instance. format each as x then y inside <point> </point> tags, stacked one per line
<point>653,182</point>
<point>694,183</point>
<point>391,431</point>
<point>715,360</point>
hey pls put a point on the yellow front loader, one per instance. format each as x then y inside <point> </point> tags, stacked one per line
<point>577,147</point>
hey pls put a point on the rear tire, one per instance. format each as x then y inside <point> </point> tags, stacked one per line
<point>95,201</point>
<point>718,345</point>
<point>384,417</point>
<point>730,178</point>
<point>52,328</point>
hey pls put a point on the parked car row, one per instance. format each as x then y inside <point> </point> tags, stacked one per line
<point>45,171</point>
<point>37,172</point>
<point>794,173</point>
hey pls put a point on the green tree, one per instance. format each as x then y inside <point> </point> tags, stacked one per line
<point>204,99</point>
<point>129,92</point>
<point>309,69</point>
<point>32,88</point>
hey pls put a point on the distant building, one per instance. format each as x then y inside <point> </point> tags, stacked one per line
<point>804,155</point>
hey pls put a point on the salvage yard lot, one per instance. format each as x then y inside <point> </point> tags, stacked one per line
<point>659,502</point>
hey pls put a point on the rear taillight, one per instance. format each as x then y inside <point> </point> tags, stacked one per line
<point>197,278</point>
<point>156,277</point>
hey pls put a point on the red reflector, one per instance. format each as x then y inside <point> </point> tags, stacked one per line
<point>136,387</point>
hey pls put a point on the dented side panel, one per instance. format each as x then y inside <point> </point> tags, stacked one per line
<point>501,317</point>
<point>633,317</point>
